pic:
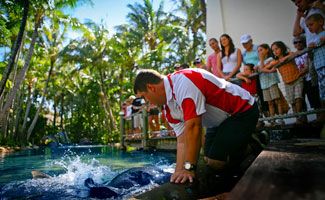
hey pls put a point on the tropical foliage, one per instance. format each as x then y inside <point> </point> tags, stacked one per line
<point>52,83</point>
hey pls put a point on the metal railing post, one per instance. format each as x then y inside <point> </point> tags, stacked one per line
<point>145,136</point>
<point>122,128</point>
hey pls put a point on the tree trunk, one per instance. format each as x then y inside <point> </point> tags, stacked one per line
<point>16,131</point>
<point>29,105</point>
<point>21,75</point>
<point>32,126</point>
<point>106,102</point>
<point>54,115</point>
<point>15,48</point>
<point>61,112</point>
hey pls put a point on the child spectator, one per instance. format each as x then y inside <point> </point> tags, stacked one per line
<point>310,86</point>
<point>315,24</point>
<point>269,82</point>
<point>293,82</point>
<point>248,83</point>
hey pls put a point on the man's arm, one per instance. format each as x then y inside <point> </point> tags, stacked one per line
<point>297,30</point>
<point>188,148</point>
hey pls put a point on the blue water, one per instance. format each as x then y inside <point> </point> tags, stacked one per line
<point>69,167</point>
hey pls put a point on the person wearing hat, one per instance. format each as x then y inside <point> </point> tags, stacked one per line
<point>198,63</point>
<point>310,83</point>
<point>181,66</point>
<point>250,56</point>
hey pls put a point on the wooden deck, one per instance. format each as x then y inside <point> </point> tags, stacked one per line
<point>292,169</point>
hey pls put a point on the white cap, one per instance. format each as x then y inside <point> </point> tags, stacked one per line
<point>245,38</point>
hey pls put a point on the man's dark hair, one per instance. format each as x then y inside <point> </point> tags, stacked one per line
<point>144,77</point>
<point>214,39</point>
<point>184,66</point>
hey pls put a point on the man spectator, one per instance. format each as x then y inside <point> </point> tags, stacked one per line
<point>213,57</point>
<point>198,63</point>
<point>137,105</point>
<point>194,99</point>
<point>180,67</point>
<point>306,8</point>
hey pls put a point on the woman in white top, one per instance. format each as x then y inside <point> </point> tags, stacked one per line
<point>230,58</point>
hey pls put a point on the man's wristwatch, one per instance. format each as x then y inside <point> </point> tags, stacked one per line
<point>189,166</point>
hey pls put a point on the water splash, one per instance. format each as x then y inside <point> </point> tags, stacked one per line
<point>69,184</point>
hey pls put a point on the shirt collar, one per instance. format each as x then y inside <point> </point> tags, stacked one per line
<point>168,89</point>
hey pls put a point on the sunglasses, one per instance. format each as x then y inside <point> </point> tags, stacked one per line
<point>297,42</point>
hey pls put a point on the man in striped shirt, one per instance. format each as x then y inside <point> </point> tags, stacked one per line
<point>193,99</point>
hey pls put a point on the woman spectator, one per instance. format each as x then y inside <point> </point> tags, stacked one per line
<point>230,58</point>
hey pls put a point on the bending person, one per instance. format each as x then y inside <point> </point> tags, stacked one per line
<point>193,99</point>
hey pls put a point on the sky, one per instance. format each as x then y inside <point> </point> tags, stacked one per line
<point>111,12</point>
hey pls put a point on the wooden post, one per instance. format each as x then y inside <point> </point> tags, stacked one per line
<point>145,136</point>
<point>122,128</point>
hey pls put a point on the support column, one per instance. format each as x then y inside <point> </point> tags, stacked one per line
<point>145,136</point>
<point>122,129</point>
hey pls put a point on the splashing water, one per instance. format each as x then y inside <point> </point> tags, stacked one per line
<point>69,184</point>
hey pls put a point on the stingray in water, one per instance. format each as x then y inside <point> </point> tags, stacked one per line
<point>139,176</point>
<point>118,186</point>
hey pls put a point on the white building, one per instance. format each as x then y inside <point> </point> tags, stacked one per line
<point>265,20</point>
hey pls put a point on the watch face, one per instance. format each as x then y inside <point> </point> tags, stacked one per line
<point>187,166</point>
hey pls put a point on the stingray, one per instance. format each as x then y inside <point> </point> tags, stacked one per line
<point>119,185</point>
<point>139,176</point>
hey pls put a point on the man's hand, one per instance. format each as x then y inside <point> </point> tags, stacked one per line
<point>181,176</point>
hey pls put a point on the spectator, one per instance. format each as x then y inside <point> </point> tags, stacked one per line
<point>127,109</point>
<point>153,117</point>
<point>213,57</point>
<point>194,99</point>
<point>198,63</point>
<point>269,82</point>
<point>306,8</point>
<point>293,82</point>
<point>137,105</point>
<point>180,67</point>
<point>310,86</point>
<point>230,58</point>
<point>315,23</point>
<point>250,55</point>
<point>248,83</point>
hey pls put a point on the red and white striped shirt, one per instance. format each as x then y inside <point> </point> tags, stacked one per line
<point>194,92</point>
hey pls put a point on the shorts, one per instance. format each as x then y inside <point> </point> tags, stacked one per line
<point>294,90</point>
<point>137,120</point>
<point>229,140</point>
<point>154,111</point>
<point>271,93</point>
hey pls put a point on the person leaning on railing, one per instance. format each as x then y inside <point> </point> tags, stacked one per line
<point>315,23</point>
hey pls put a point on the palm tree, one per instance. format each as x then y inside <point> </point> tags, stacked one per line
<point>154,32</point>
<point>194,21</point>
<point>16,46</point>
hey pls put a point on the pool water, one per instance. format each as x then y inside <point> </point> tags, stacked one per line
<point>69,166</point>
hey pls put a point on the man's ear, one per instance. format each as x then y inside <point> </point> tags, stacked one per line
<point>151,87</point>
